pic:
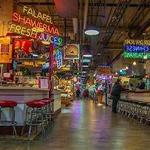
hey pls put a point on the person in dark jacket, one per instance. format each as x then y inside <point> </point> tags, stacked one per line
<point>78,93</point>
<point>116,91</point>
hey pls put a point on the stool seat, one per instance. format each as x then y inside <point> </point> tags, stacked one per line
<point>6,103</point>
<point>35,104</point>
<point>47,101</point>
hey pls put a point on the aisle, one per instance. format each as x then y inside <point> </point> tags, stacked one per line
<point>85,126</point>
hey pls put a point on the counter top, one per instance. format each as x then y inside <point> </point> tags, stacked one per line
<point>137,91</point>
<point>22,88</point>
<point>140,95</point>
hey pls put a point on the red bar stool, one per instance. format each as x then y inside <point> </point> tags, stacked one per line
<point>11,105</point>
<point>50,107</point>
<point>35,116</point>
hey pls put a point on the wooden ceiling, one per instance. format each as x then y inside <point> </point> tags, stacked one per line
<point>116,19</point>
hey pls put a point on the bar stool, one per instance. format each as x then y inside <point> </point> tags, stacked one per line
<point>147,121</point>
<point>35,116</point>
<point>48,108</point>
<point>11,105</point>
<point>142,111</point>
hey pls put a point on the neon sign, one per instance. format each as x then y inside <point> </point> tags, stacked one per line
<point>137,42</point>
<point>137,48</point>
<point>136,55</point>
<point>32,12</point>
<point>17,18</point>
<point>51,39</point>
<point>40,26</point>
<point>58,58</point>
<point>23,30</point>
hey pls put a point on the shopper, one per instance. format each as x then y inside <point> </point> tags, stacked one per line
<point>86,93</point>
<point>78,93</point>
<point>116,91</point>
<point>100,93</point>
<point>141,85</point>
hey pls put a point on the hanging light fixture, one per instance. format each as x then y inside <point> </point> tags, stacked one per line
<point>134,63</point>
<point>127,67</point>
<point>91,31</point>
<point>87,55</point>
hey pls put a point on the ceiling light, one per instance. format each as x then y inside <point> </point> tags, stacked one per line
<point>134,63</point>
<point>127,67</point>
<point>84,66</point>
<point>86,60</point>
<point>87,55</point>
<point>91,32</point>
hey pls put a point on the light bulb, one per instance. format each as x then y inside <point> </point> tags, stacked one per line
<point>127,67</point>
<point>134,63</point>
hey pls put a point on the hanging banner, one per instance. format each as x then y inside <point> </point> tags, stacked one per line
<point>71,51</point>
<point>5,50</point>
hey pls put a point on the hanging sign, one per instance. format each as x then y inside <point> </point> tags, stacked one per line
<point>71,51</point>
<point>31,23</point>
<point>137,49</point>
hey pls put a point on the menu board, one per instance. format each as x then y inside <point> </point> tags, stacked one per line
<point>43,83</point>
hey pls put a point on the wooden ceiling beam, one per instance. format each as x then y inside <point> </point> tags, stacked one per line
<point>90,4</point>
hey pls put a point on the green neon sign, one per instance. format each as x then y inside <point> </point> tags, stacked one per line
<point>136,55</point>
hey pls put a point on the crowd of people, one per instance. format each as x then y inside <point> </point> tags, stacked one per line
<point>115,92</point>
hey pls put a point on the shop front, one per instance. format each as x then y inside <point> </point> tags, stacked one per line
<point>29,53</point>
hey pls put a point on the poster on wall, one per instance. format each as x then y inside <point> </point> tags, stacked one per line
<point>71,51</point>
<point>5,50</point>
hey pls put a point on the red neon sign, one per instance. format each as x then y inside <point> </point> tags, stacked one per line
<point>51,29</point>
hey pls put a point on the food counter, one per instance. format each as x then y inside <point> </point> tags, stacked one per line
<point>138,95</point>
<point>24,94</point>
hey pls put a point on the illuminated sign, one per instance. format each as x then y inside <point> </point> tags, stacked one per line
<point>136,55</point>
<point>5,50</point>
<point>36,25</point>
<point>137,42</point>
<point>137,49</point>
<point>33,63</point>
<point>71,51</point>
<point>17,18</point>
<point>59,58</point>
<point>51,39</point>
<point>32,12</point>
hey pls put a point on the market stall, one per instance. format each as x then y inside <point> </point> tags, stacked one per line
<point>28,55</point>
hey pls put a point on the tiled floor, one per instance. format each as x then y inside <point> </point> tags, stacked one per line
<point>85,126</point>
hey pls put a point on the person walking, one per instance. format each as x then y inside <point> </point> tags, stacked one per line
<point>116,92</point>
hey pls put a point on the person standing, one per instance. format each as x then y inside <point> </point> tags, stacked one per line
<point>78,93</point>
<point>116,92</point>
<point>100,93</point>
